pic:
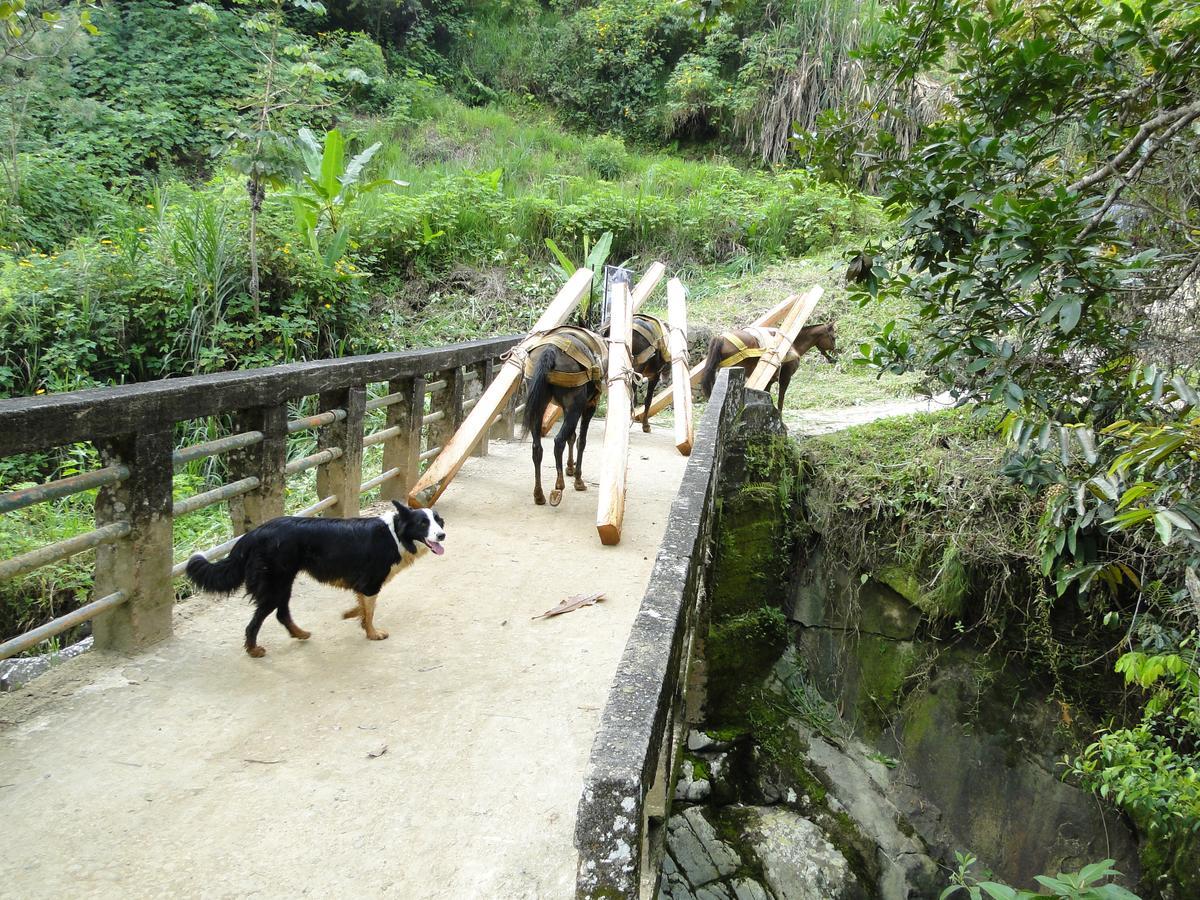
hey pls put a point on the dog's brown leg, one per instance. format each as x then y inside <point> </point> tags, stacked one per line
<point>284,615</point>
<point>368,619</point>
<point>353,613</point>
<point>252,646</point>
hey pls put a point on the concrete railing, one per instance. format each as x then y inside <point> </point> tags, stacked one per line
<point>632,759</point>
<point>133,430</point>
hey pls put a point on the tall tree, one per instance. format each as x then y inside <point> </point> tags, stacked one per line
<point>290,82</point>
<point>34,37</point>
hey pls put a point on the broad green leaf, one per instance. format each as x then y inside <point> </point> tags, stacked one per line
<point>568,266</point>
<point>1163,526</point>
<point>1068,315</point>
<point>358,162</point>
<point>332,164</point>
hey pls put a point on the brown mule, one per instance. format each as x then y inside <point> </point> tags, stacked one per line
<point>567,365</point>
<point>743,348</point>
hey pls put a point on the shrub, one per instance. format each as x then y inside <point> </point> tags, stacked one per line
<point>56,200</point>
<point>606,157</point>
<point>611,61</point>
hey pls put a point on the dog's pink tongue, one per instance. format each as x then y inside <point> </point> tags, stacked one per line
<point>437,548</point>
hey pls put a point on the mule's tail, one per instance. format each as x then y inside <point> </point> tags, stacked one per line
<point>711,364</point>
<point>222,577</point>
<point>537,398</point>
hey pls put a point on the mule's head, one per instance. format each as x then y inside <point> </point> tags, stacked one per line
<point>823,337</point>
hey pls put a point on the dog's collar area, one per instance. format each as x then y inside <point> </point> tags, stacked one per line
<point>389,519</point>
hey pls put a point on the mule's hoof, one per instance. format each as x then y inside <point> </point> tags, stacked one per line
<point>539,499</point>
<point>580,486</point>
<point>555,497</point>
<point>301,635</point>
<point>570,470</point>
<point>257,652</point>
<point>377,635</point>
<point>645,428</point>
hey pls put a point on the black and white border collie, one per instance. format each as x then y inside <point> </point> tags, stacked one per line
<point>360,555</point>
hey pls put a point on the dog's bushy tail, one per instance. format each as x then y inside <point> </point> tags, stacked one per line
<point>222,577</point>
<point>537,398</point>
<point>711,364</point>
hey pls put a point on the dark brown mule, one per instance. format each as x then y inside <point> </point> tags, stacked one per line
<point>651,358</point>
<point>568,366</point>
<point>744,347</point>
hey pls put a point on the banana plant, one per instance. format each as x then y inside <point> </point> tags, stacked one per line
<point>594,258</point>
<point>330,186</point>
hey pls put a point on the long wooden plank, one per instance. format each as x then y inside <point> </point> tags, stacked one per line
<point>641,293</point>
<point>615,455</point>
<point>680,383</point>
<point>456,450</point>
<point>771,317</point>
<point>769,362</point>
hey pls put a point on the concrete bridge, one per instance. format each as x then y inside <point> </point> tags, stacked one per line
<point>479,752</point>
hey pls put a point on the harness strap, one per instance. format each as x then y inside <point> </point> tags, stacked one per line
<point>744,352</point>
<point>579,344</point>
<point>653,332</point>
<point>766,337</point>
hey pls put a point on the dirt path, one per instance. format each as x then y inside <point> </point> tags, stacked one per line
<point>810,422</point>
<point>445,762</point>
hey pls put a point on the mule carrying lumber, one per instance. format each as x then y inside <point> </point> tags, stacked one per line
<point>615,457</point>
<point>445,466</point>
<point>681,386</point>
<point>770,317</point>
<point>641,293</point>
<point>769,362</point>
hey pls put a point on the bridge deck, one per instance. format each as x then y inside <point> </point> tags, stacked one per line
<point>193,770</point>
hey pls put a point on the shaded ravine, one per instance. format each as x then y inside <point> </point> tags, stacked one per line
<point>842,752</point>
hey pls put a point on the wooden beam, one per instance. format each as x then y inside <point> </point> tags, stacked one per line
<point>769,362</point>
<point>443,468</point>
<point>680,383</point>
<point>771,317</point>
<point>615,455</point>
<point>641,293</point>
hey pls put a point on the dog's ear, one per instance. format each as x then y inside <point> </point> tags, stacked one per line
<point>401,510</point>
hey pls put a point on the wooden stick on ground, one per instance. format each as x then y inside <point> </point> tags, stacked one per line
<point>771,317</point>
<point>680,384</point>
<point>641,293</point>
<point>615,455</point>
<point>769,362</point>
<point>443,468</point>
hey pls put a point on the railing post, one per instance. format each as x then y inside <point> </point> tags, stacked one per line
<point>448,401</point>
<point>486,372</point>
<point>506,428</point>
<point>265,461</point>
<point>404,450</point>
<point>139,565</point>
<point>342,476</point>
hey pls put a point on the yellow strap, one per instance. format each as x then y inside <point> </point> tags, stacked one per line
<point>743,353</point>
